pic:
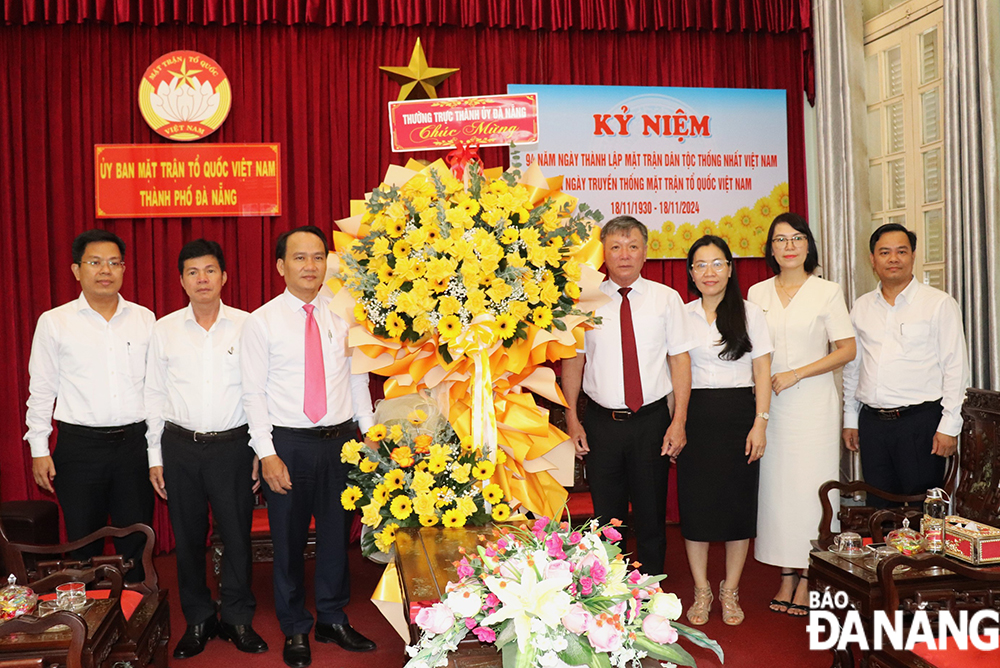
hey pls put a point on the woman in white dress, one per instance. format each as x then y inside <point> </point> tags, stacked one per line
<point>805,315</point>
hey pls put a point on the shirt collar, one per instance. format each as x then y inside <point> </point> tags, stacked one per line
<point>295,303</point>
<point>83,305</point>
<point>908,294</point>
<point>638,286</point>
<point>223,314</point>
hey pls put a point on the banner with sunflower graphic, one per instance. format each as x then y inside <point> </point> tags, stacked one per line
<point>684,161</point>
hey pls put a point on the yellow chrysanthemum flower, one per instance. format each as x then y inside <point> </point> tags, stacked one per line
<point>765,209</point>
<point>493,493</point>
<point>424,503</point>
<point>460,473</point>
<point>781,198</point>
<point>453,518</point>
<point>422,482</point>
<point>655,245</point>
<point>394,480</point>
<point>401,507</point>
<point>466,505</point>
<point>349,497</point>
<point>743,220</point>
<point>367,465</point>
<point>370,515</point>
<point>349,452</point>
<point>542,317</point>
<point>483,470</point>
<point>449,327</point>
<point>706,227</point>
<point>376,432</point>
<point>501,512</point>
<point>428,520</point>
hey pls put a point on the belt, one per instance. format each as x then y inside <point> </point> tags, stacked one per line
<point>112,434</point>
<point>622,414</point>
<point>349,428</point>
<point>207,436</point>
<point>896,413</point>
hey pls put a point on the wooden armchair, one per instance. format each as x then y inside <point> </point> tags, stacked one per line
<point>144,604</point>
<point>29,624</point>
<point>973,589</point>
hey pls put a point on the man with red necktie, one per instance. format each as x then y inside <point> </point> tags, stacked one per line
<point>630,364</point>
<point>302,404</point>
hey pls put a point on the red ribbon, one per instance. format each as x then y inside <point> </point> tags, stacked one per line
<point>464,153</point>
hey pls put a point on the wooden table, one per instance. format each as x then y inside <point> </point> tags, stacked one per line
<point>856,577</point>
<point>105,626</point>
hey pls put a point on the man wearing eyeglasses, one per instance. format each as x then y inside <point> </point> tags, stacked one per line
<point>903,392</point>
<point>630,364</point>
<point>88,358</point>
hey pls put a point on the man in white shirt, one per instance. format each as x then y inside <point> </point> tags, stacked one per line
<point>629,366</point>
<point>88,357</point>
<point>903,392</point>
<point>199,449</point>
<point>303,403</point>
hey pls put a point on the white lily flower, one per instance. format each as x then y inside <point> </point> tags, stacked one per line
<point>530,598</point>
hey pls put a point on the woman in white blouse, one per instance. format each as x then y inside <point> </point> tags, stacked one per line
<point>812,335</point>
<point>717,472</point>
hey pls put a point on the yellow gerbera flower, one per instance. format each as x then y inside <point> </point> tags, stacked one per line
<point>509,236</point>
<point>395,228</point>
<point>484,470</point>
<point>367,465</point>
<point>501,512</point>
<point>401,507</point>
<point>402,248</point>
<point>394,325</point>
<point>467,444</point>
<point>470,206</point>
<point>542,316</point>
<point>428,520</point>
<point>360,313</point>
<point>394,480</point>
<point>349,497</point>
<point>385,538</point>
<point>506,325</point>
<point>493,493</point>
<point>417,417</point>
<point>449,327</point>
<point>436,464</point>
<point>376,432</point>
<point>453,518</point>
<point>380,494</point>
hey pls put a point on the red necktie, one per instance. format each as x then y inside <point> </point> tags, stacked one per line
<point>630,358</point>
<point>314,403</point>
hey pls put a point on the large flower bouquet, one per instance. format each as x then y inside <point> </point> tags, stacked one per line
<point>421,474</point>
<point>432,256</point>
<point>549,595</point>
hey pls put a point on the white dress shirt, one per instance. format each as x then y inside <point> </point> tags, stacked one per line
<point>908,353</point>
<point>708,370</point>
<point>91,368</point>
<point>193,376</point>
<point>273,365</point>
<point>661,328</point>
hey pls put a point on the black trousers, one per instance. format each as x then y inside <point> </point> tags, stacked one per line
<point>98,477</point>
<point>218,474</point>
<point>318,478</point>
<point>625,465</point>
<point>896,454</point>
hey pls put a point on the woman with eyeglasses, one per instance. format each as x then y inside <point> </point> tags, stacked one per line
<point>812,336</point>
<point>727,419</point>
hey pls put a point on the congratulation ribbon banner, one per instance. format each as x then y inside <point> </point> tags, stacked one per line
<point>479,384</point>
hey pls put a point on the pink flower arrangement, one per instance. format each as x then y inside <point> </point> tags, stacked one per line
<point>545,593</point>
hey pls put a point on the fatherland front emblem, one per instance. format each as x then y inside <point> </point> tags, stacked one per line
<point>185,96</point>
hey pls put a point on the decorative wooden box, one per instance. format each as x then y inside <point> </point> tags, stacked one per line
<point>978,544</point>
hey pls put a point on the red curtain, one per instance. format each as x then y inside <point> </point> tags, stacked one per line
<point>317,91</point>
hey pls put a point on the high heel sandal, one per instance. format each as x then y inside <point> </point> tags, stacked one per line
<point>775,602</point>
<point>697,614</point>
<point>732,614</point>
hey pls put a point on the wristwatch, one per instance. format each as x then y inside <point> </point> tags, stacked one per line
<point>763,416</point>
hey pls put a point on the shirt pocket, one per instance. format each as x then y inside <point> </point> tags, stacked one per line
<point>915,339</point>
<point>137,360</point>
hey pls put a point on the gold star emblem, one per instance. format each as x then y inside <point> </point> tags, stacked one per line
<point>184,75</point>
<point>418,81</point>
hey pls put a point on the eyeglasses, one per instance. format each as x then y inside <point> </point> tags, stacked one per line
<point>797,240</point>
<point>716,265</point>
<point>112,264</point>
